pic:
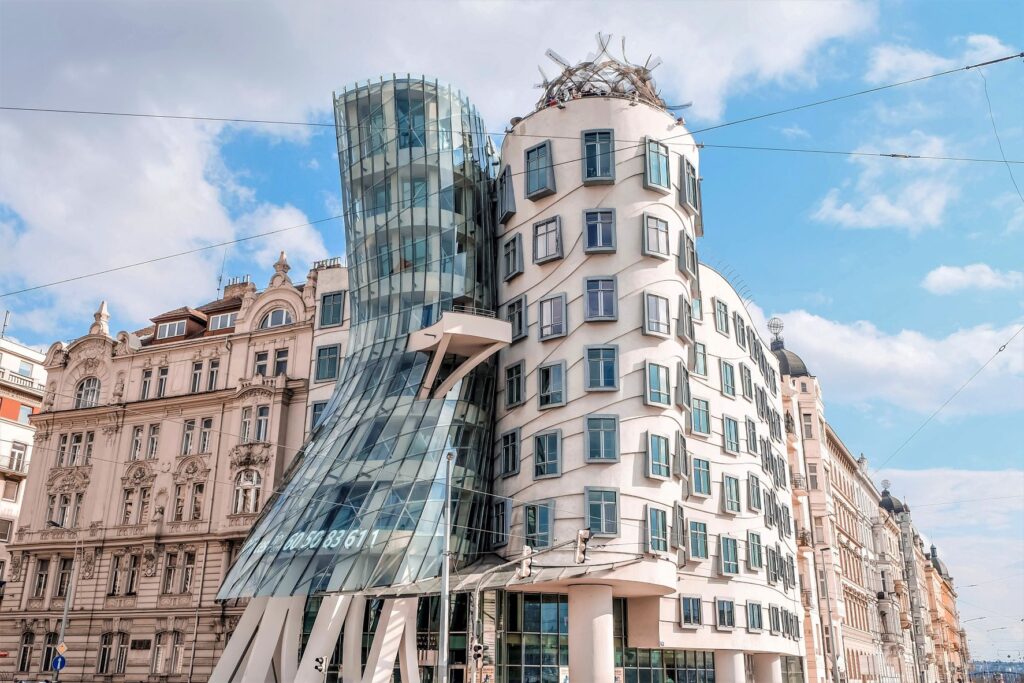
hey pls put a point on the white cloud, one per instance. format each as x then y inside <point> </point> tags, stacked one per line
<point>864,365</point>
<point>889,63</point>
<point>950,279</point>
<point>794,132</point>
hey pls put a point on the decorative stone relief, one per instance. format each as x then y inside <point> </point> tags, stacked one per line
<point>119,388</point>
<point>249,455</point>
<point>89,563</point>
<point>68,481</point>
<point>149,561</point>
<point>17,564</point>
<point>138,474</point>
<point>192,469</point>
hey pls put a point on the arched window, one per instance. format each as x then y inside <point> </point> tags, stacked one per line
<point>87,395</point>
<point>247,492</point>
<point>49,652</point>
<point>113,654</point>
<point>169,653</point>
<point>28,644</point>
<point>276,318</point>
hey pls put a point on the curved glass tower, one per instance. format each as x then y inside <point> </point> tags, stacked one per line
<point>362,506</point>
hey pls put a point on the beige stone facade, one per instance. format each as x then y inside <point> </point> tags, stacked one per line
<point>155,453</point>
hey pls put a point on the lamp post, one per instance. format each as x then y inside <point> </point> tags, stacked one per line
<point>71,584</point>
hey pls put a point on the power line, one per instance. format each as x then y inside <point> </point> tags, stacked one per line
<point>890,155</point>
<point>995,130</point>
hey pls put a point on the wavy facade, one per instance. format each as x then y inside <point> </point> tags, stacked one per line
<point>362,506</point>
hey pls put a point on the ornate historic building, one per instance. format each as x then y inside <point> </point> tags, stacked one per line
<point>156,450</point>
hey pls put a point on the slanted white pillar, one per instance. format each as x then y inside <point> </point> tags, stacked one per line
<point>266,647</point>
<point>591,634</point>
<point>767,668</point>
<point>352,647</point>
<point>237,649</point>
<point>394,614</point>
<point>326,629</point>
<point>729,667</point>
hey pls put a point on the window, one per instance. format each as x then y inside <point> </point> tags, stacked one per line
<point>10,492</point>
<point>690,610</point>
<point>147,378</point>
<point>49,651</point>
<point>599,231</point>
<point>689,258</point>
<point>746,382</point>
<point>751,436</point>
<point>601,368</point>
<point>327,358</point>
<point>731,494</point>
<point>332,309</point>
<point>500,522</point>
<point>42,577</point>
<point>598,157</point>
<point>754,550</point>
<point>246,425</point>
<point>16,460</point>
<point>512,257</point>
<point>540,175</point>
<point>699,540</point>
<point>87,394</point>
<point>6,526</point>
<point>602,438</point>
<point>262,423</point>
<point>700,417</point>
<point>728,549</point>
<point>248,484</point>
<point>600,299</point>
<point>515,313</point>
<point>656,320</point>
<point>62,448</point>
<point>688,185</point>
<point>205,433</point>
<point>812,475</point>
<point>161,382</point>
<point>127,506</point>
<point>730,434</point>
<point>683,396</point>
<point>173,329</point>
<point>741,330</point>
<point>728,378</point>
<point>261,363</point>
<point>414,192</point>
<point>551,385</point>
<point>655,237</point>
<point>721,316</point>
<point>754,616</point>
<point>168,653</point>
<point>317,413</point>
<point>24,368</point>
<point>152,441</point>
<point>700,359</point>
<point>539,517</point>
<point>510,452</point>
<point>196,380</point>
<point>697,306</point>
<point>656,169</point>
<point>514,380</point>
<point>603,511</point>
<point>24,412</point>
<point>701,477</point>
<point>684,326</point>
<point>280,362</point>
<point>222,321</point>
<point>659,391</point>
<point>657,530</point>
<point>211,374</point>
<point>552,316</point>
<point>547,454</point>
<point>506,195</point>
<point>726,610</point>
<point>196,501</point>
<point>658,465</point>
<point>753,493</point>
<point>276,318</point>
<point>26,653</point>
<point>547,240</point>
<point>808,422</point>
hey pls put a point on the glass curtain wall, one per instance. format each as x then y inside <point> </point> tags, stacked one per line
<point>362,505</point>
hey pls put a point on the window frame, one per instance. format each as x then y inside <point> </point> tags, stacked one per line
<point>727,421</point>
<point>728,388</point>
<point>649,442</point>
<point>728,540</point>
<point>506,195</point>
<point>587,490</point>
<point>540,385</point>
<point>731,505</point>
<point>584,157</point>
<point>648,398</point>
<point>692,546</point>
<point>687,192</point>
<point>549,505</point>
<point>500,537</point>
<point>524,332</point>
<point>645,245</point>
<point>648,328</point>
<point>588,374</point>
<point>751,564</point>
<point>557,433</point>
<point>516,268</point>
<point>502,460</point>
<point>601,249</point>
<point>664,151</point>
<point>721,307</point>
<point>719,602</point>
<point>170,330</point>
<point>323,308</point>
<point>559,245</point>
<point>760,616</point>
<point>616,446</point>
<point>561,298</point>
<point>650,513</point>
<point>614,315</point>
<point>696,488</point>
<point>683,623</point>
<point>317,377</point>
<point>521,383</point>
<point>548,186</point>
<point>696,410</point>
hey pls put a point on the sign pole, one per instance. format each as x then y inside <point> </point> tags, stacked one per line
<point>67,598</point>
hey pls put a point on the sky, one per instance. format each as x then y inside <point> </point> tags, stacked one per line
<point>896,279</point>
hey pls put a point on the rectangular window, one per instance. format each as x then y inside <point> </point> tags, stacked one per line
<point>683,397</point>
<point>656,320</point>
<point>728,549</point>
<point>700,359</point>
<point>538,521</point>
<point>506,195</point>
<point>658,465</point>
<point>601,368</point>
<point>697,306</point>
<point>552,317</point>
<point>751,436</point>
<point>599,231</point>
<point>754,616</point>
<point>161,382</point>
<point>188,433</point>
<point>512,257</point>
<point>127,506</point>
<point>10,491</point>
<point>688,255</point>
<point>656,169</point>
<point>657,530</point>
<point>547,454</point>
<point>701,477</point>
<point>514,378</point>
<point>812,476</point>
<point>261,363</point>
<point>659,390</point>
<point>245,428</point>
<point>678,537</point>
<point>510,452</point>
<point>62,449</point>
<point>741,330</point>
<point>170,581</point>
<point>754,550</point>
<point>602,438</point>
<point>731,494</point>
<point>211,374</point>
<point>690,610</point>
<point>547,240</point>
<point>603,511</point>
<point>6,526</point>
<point>64,569</point>
<point>174,329</point>
<point>598,157</point>
<point>262,423</point>
<point>730,434</point>
<point>196,381</point>
<point>808,425</point>
<point>700,417</point>
<point>726,610</point>
<point>600,299</point>
<point>414,192</point>
<point>317,413</point>
<point>222,321</point>
<point>327,362</point>
<point>753,493</point>
<point>152,441</point>
<point>684,325</point>
<point>197,500</point>
<point>540,174</point>
<point>688,184</point>
<point>551,385</point>
<point>699,540</point>
<point>746,382</point>
<point>135,452</point>
<point>728,378</point>
<point>500,522</point>
<point>280,362</point>
<point>178,514</point>
<point>721,316</point>
<point>655,237</point>
<point>332,309</point>
<point>515,314</point>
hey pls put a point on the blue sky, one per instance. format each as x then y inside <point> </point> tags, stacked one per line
<point>840,248</point>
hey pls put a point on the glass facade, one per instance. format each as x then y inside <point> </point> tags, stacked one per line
<point>362,505</point>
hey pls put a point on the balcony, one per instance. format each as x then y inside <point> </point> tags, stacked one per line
<point>803,538</point>
<point>890,638</point>
<point>805,595</point>
<point>22,382</point>
<point>13,466</point>
<point>471,335</point>
<point>798,481</point>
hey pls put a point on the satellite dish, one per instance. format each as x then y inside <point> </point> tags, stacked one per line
<point>775,326</point>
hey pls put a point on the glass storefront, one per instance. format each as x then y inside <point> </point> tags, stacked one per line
<point>643,665</point>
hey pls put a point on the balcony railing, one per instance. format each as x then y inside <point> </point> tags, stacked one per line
<point>472,310</point>
<point>11,464</point>
<point>20,381</point>
<point>798,481</point>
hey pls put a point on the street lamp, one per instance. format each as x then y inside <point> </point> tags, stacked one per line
<point>71,585</point>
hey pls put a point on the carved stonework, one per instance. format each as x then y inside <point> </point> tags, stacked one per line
<point>167,601</point>
<point>17,563</point>
<point>149,562</point>
<point>192,469</point>
<point>119,601</point>
<point>89,563</point>
<point>249,455</point>
<point>119,388</point>
<point>68,480</point>
<point>138,474</point>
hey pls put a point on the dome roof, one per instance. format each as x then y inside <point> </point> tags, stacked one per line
<point>789,363</point>
<point>892,504</point>
<point>939,565</point>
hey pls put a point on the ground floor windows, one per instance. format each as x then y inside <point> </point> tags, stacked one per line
<point>535,642</point>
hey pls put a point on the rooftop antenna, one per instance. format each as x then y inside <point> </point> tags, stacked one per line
<point>220,278</point>
<point>7,320</point>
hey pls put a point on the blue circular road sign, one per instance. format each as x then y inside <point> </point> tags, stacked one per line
<point>59,663</point>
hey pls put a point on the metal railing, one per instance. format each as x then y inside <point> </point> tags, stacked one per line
<point>328,263</point>
<point>472,310</point>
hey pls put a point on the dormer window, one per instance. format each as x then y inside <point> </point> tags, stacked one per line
<point>174,329</point>
<point>222,321</point>
<point>276,318</point>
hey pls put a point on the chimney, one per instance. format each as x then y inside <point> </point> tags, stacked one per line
<point>238,286</point>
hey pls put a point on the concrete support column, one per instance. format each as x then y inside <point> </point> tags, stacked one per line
<point>729,667</point>
<point>591,635</point>
<point>768,668</point>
